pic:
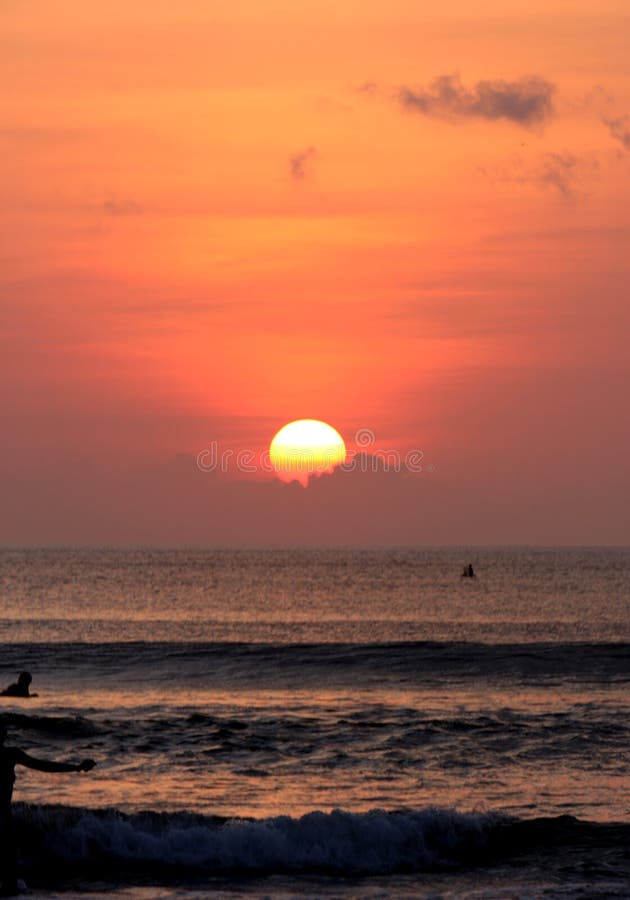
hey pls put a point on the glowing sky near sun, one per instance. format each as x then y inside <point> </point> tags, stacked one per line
<point>218,218</point>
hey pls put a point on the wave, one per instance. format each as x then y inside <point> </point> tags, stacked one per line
<point>97,843</point>
<point>64,726</point>
<point>409,662</point>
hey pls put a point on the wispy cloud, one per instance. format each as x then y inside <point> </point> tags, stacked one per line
<point>37,135</point>
<point>620,129</point>
<point>466,317</point>
<point>300,163</point>
<point>368,87</point>
<point>557,171</point>
<point>116,206</point>
<point>526,101</point>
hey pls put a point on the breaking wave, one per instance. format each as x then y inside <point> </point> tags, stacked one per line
<point>94,843</point>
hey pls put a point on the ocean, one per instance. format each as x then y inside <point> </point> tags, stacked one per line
<point>321,723</point>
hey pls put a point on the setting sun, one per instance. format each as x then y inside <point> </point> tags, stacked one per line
<point>306,447</point>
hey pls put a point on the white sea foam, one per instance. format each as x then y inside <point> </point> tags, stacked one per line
<point>339,841</point>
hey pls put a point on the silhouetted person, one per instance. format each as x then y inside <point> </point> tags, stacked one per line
<point>10,757</point>
<point>20,688</point>
<point>471,571</point>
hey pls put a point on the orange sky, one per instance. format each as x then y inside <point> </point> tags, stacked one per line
<point>220,217</point>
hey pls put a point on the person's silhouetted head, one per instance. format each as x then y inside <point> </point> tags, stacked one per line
<point>19,688</point>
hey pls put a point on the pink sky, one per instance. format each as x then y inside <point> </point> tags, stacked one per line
<point>217,220</point>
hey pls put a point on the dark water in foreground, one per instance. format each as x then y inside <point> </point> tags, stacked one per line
<point>322,723</point>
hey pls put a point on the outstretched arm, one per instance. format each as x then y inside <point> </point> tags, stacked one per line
<point>47,765</point>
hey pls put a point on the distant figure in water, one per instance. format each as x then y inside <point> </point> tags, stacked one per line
<point>20,688</point>
<point>10,757</point>
<point>468,572</point>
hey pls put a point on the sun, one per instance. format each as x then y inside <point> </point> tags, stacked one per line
<point>306,447</point>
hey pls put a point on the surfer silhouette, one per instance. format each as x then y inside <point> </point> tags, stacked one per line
<point>20,688</point>
<point>10,757</point>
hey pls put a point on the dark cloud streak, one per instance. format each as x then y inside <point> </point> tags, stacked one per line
<point>620,130</point>
<point>299,163</point>
<point>527,101</point>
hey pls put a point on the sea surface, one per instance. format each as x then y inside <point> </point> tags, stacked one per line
<point>321,723</point>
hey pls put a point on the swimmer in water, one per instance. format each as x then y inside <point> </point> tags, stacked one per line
<point>20,688</point>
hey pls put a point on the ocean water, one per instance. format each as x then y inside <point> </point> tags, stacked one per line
<point>321,723</point>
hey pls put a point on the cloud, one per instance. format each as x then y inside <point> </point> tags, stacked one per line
<point>604,233</point>
<point>526,101</point>
<point>37,135</point>
<point>559,171</point>
<point>454,318</point>
<point>300,163</point>
<point>556,171</point>
<point>368,87</point>
<point>620,129</point>
<point>114,206</point>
